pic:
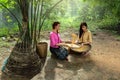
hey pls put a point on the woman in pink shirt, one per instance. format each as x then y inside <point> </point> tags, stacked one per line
<point>59,52</point>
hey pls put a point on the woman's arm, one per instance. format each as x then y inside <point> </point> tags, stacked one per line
<point>60,44</point>
<point>86,43</point>
<point>90,37</point>
<point>66,42</point>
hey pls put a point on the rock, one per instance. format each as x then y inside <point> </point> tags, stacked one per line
<point>117,39</point>
<point>10,40</point>
<point>16,35</point>
<point>3,38</point>
<point>95,34</point>
<point>11,36</point>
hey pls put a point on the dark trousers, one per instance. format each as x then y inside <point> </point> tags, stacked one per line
<point>60,53</point>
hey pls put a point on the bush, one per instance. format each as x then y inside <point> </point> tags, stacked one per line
<point>6,31</point>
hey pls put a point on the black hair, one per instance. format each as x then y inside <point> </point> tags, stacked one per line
<point>80,30</point>
<point>55,24</point>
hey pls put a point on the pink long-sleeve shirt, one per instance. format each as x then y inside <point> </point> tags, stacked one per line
<point>54,39</point>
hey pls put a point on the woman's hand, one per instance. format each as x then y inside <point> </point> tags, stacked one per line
<point>82,44</point>
<point>61,44</point>
<point>86,43</point>
<point>67,42</point>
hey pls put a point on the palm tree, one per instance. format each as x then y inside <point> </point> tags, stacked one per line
<point>23,59</point>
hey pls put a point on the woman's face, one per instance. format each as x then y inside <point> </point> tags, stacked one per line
<point>58,27</point>
<point>84,28</point>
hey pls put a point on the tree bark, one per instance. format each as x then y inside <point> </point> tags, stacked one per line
<point>23,59</point>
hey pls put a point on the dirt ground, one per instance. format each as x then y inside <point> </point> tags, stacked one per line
<point>102,64</point>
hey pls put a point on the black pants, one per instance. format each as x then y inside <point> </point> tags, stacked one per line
<point>60,52</point>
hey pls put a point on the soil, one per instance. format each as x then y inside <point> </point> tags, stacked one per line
<point>103,63</point>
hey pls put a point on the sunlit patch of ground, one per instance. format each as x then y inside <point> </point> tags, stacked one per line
<point>102,64</point>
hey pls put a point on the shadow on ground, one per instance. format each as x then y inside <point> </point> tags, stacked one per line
<point>102,64</point>
<point>78,68</point>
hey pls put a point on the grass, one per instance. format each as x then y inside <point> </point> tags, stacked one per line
<point>65,24</point>
<point>6,31</point>
<point>48,54</point>
<point>3,31</point>
<point>118,37</point>
<point>114,33</point>
<point>6,44</point>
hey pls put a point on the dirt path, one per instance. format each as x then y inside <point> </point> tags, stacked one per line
<point>106,52</point>
<point>102,64</point>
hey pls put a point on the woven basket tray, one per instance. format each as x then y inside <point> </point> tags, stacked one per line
<point>84,48</point>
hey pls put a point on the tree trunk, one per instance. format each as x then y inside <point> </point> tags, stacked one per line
<point>23,60</point>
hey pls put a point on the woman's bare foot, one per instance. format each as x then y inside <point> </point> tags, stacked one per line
<point>85,53</point>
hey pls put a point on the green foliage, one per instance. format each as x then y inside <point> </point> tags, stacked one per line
<point>8,3</point>
<point>70,13</point>
<point>3,32</point>
<point>101,14</point>
<point>33,13</point>
<point>4,44</point>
